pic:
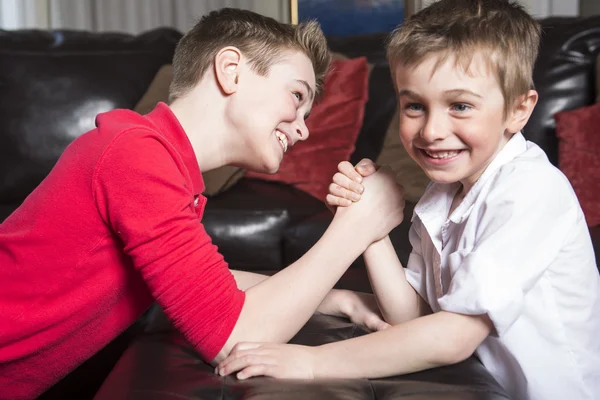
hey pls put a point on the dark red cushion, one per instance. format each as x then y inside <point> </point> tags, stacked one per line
<point>578,156</point>
<point>334,124</point>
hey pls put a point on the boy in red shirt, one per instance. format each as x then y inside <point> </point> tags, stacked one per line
<point>74,274</point>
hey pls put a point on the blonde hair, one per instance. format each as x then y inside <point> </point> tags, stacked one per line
<point>262,39</point>
<point>500,29</point>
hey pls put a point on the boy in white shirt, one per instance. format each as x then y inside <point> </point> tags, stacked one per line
<point>502,262</point>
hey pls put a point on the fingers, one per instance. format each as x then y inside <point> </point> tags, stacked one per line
<point>242,361</point>
<point>383,325</point>
<point>346,187</point>
<point>242,355</point>
<point>257,370</point>
<point>366,167</point>
<point>348,170</point>
<point>336,201</point>
<point>373,322</point>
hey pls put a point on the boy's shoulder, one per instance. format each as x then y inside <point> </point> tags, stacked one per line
<point>532,177</point>
<point>121,120</point>
<point>532,167</point>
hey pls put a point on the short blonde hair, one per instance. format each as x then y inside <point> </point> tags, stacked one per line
<point>500,29</point>
<point>262,39</point>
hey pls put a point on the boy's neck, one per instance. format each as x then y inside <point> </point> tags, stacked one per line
<point>203,120</point>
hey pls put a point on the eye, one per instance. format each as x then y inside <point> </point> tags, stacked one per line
<point>461,107</point>
<point>299,96</point>
<point>413,108</point>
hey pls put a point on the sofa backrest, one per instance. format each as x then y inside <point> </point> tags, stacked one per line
<point>54,83</point>
<point>564,75</point>
<point>52,86</point>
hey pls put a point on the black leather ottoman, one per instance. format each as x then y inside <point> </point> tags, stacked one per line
<point>160,364</point>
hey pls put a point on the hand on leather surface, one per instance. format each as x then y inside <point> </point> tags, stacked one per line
<point>283,361</point>
<point>381,206</point>
<point>360,308</point>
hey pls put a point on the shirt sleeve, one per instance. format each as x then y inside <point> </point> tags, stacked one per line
<point>144,193</point>
<point>415,269</point>
<point>525,219</point>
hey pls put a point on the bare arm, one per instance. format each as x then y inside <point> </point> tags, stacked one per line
<point>434,340</point>
<point>397,299</point>
<point>340,303</point>
<point>245,280</point>
<point>276,308</point>
<point>431,341</point>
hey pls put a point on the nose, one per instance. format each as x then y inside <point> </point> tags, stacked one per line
<point>301,129</point>
<point>434,128</point>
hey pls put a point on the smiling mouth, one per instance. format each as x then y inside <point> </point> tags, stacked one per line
<point>441,155</point>
<point>282,140</point>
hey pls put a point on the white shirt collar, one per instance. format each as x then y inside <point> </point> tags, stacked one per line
<point>433,207</point>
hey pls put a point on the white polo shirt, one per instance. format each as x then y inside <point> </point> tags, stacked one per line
<point>518,249</point>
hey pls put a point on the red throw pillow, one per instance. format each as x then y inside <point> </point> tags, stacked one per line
<point>578,149</point>
<point>334,124</point>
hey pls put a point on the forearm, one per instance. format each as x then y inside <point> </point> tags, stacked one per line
<point>427,342</point>
<point>397,299</point>
<point>276,308</point>
<point>332,304</point>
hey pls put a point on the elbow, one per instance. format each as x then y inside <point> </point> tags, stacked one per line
<point>221,355</point>
<point>457,353</point>
<point>449,353</point>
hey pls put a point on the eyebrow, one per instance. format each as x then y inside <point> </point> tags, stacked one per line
<point>458,92</point>
<point>455,92</point>
<point>408,93</point>
<point>311,92</point>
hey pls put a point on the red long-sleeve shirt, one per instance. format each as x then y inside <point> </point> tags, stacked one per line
<point>114,226</point>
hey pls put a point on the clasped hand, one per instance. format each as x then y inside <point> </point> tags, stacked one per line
<point>375,197</point>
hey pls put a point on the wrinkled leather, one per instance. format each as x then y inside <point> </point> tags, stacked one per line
<point>53,84</point>
<point>247,222</point>
<point>563,75</point>
<point>299,238</point>
<point>160,364</point>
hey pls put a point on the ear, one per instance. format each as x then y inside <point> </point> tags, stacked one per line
<point>521,111</point>
<point>227,63</point>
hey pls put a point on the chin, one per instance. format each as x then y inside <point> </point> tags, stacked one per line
<point>438,177</point>
<point>270,166</point>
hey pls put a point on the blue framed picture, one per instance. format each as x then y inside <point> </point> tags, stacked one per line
<point>352,17</point>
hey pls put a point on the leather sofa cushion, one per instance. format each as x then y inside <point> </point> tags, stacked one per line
<point>299,238</point>
<point>247,222</point>
<point>160,365</point>
<point>54,83</point>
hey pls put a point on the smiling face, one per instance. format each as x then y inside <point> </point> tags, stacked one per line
<point>269,111</point>
<point>452,121</point>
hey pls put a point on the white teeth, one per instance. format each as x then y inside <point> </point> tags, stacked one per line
<point>441,154</point>
<point>283,140</point>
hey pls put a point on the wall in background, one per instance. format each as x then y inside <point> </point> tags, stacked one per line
<point>538,8</point>
<point>589,7</point>
<point>131,16</point>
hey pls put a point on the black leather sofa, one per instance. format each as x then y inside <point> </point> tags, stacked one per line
<point>54,83</point>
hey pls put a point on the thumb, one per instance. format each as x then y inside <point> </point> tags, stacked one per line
<point>373,322</point>
<point>366,167</point>
<point>383,325</point>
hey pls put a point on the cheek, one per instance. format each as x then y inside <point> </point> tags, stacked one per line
<point>409,129</point>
